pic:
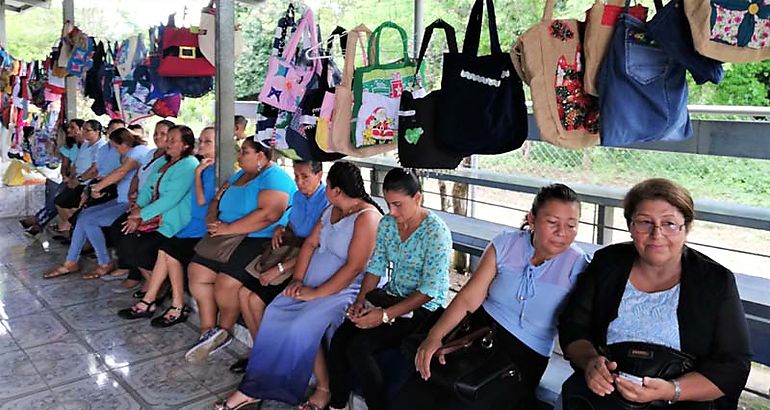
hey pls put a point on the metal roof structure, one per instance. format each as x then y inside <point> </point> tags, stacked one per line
<point>21,5</point>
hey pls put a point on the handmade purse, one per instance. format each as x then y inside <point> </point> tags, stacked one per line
<point>380,298</point>
<point>217,248</point>
<point>181,56</point>
<point>732,31</point>
<point>271,257</point>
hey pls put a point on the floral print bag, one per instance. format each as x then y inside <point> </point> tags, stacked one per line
<point>734,31</point>
<point>548,58</point>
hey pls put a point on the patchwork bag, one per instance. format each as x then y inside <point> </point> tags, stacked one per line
<point>642,91</point>
<point>548,57</point>
<point>483,109</point>
<point>181,56</point>
<point>417,138</point>
<point>286,81</point>
<point>377,90</point>
<point>670,30</point>
<point>207,38</point>
<point>600,24</point>
<point>734,31</point>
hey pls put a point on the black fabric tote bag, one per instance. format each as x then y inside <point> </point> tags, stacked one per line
<point>482,110</point>
<point>417,137</point>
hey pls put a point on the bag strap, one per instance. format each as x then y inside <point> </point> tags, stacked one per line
<point>342,34</point>
<point>548,10</point>
<point>658,5</point>
<point>374,40</point>
<point>473,30</point>
<point>306,24</point>
<point>354,36</point>
<point>451,39</point>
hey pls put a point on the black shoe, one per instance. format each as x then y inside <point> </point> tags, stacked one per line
<point>161,320</point>
<point>138,294</point>
<point>26,223</point>
<point>130,313</point>
<point>240,366</point>
<point>32,231</point>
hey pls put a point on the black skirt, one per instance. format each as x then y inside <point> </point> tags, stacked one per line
<point>236,267</point>
<point>181,249</point>
<point>70,197</point>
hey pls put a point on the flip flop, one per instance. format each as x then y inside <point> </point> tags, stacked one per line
<point>100,271</point>
<point>222,405</point>
<point>60,270</point>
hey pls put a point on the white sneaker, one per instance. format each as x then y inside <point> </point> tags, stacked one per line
<point>209,343</point>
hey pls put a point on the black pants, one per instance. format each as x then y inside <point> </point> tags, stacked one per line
<point>352,357</point>
<point>418,394</point>
<point>116,237</point>
<point>69,198</point>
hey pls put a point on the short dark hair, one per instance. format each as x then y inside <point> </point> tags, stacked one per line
<point>552,192</point>
<point>262,146</point>
<point>241,120</point>
<point>315,166</point>
<point>78,122</point>
<point>401,180</point>
<point>167,123</point>
<point>95,125</point>
<point>659,188</point>
<point>125,136</point>
<point>115,121</point>
<point>188,138</point>
<point>136,127</point>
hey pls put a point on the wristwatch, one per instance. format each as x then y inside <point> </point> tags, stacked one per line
<point>385,318</point>
<point>677,391</point>
<point>280,268</point>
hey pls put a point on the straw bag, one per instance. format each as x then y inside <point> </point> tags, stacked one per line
<point>548,58</point>
<point>729,30</point>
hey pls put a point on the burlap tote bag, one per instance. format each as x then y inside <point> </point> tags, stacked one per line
<point>548,58</point>
<point>730,31</point>
<point>342,117</point>
<point>600,24</point>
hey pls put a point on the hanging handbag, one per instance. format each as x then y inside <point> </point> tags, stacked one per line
<point>377,90</point>
<point>270,258</point>
<point>600,24</point>
<point>670,30</point>
<point>483,111</point>
<point>417,137</point>
<point>729,30</point>
<point>207,37</point>
<point>218,248</point>
<point>642,91</point>
<point>548,57</point>
<point>286,82</point>
<point>181,56</point>
<point>476,361</point>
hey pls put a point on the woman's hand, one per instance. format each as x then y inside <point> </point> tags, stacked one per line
<point>424,355</point>
<point>96,193</point>
<point>293,288</point>
<point>267,276</point>
<point>651,389</point>
<point>278,236</point>
<point>205,163</point>
<point>130,225</point>
<point>598,376</point>
<point>368,318</point>
<point>355,310</point>
<point>307,293</point>
<point>72,183</point>
<point>136,213</point>
<point>219,228</point>
<point>221,191</point>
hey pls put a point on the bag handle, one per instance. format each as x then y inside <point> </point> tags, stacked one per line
<point>548,10</point>
<point>374,40</point>
<point>473,30</point>
<point>342,34</point>
<point>451,39</point>
<point>658,5</point>
<point>354,36</point>
<point>307,23</point>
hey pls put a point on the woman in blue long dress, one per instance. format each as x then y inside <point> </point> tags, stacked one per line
<point>327,279</point>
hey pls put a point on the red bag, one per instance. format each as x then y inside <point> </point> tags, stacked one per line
<point>181,55</point>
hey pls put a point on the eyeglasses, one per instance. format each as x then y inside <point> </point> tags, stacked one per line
<point>647,227</point>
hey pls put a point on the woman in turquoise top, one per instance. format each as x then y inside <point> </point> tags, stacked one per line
<point>417,244</point>
<point>165,196</point>
<point>521,281</point>
<point>175,253</point>
<point>308,203</point>
<point>252,202</point>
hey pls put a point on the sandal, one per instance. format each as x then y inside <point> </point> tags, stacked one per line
<point>60,270</point>
<point>134,313</point>
<point>309,405</point>
<point>222,405</point>
<point>164,321</point>
<point>100,271</point>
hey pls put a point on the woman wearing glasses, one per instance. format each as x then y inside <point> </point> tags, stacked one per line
<point>646,307</point>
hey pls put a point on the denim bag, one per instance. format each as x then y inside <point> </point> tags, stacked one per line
<point>642,91</point>
<point>671,31</point>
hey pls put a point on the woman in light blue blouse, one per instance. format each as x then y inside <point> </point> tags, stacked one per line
<point>175,253</point>
<point>413,251</point>
<point>521,282</point>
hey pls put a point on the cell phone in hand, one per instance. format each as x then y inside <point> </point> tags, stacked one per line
<point>633,379</point>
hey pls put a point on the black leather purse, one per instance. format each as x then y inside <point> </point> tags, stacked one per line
<point>651,360</point>
<point>476,361</point>
<point>380,298</point>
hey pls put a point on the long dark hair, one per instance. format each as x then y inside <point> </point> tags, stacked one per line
<point>558,192</point>
<point>188,138</point>
<point>95,125</point>
<point>401,180</point>
<point>125,136</point>
<point>347,177</point>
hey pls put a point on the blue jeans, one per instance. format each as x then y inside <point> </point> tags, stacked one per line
<point>642,91</point>
<point>48,212</point>
<point>89,227</point>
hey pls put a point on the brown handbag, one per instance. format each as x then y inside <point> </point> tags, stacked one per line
<point>271,257</point>
<point>217,248</point>
<point>548,58</point>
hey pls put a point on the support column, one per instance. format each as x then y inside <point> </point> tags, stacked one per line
<point>604,222</point>
<point>225,88</point>
<point>70,83</point>
<point>419,26</point>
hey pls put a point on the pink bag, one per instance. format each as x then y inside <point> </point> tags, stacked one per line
<point>286,82</point>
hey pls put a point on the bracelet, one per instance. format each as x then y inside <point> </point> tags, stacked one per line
<point>677,391</point>
<point>280,268</point>
<point>386,318</point>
